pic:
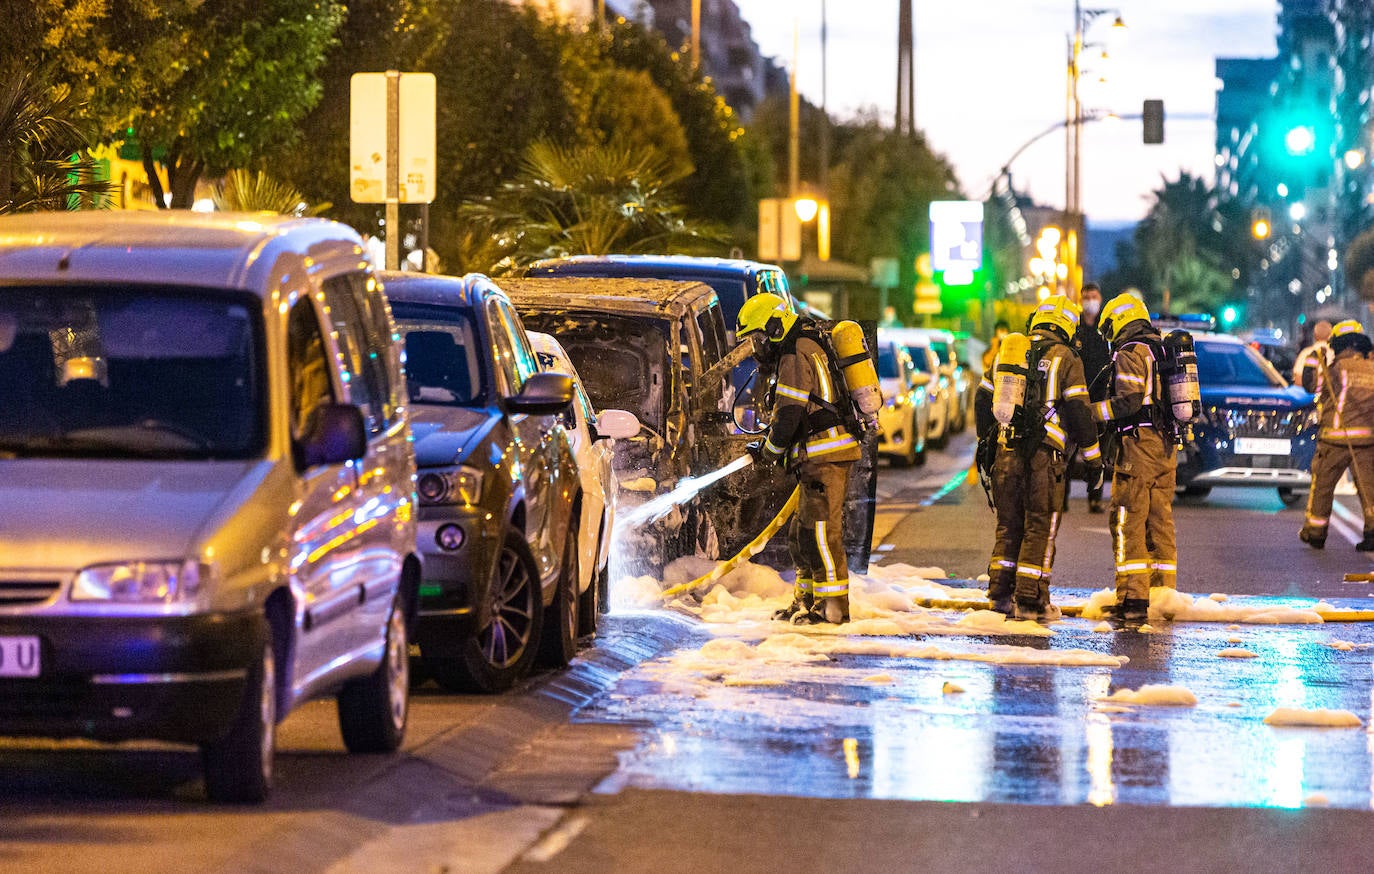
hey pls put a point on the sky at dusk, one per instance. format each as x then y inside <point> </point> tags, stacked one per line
<point>990,74</point>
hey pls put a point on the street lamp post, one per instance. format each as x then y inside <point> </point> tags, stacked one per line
<point>1073,142</point>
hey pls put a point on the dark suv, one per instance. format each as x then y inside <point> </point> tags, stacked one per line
<point>497,482</point>
<point>1255,429</point>
<point>647,346</point>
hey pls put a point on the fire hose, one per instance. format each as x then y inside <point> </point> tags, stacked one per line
<point>751,549</point>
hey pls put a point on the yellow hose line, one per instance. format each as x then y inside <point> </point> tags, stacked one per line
<point>750,549</point>
<point>1077,609</point>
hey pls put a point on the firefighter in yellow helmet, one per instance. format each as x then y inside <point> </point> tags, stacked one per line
<point>1345,435</point>
<point>1146,459</point>
<point>1029,464</point>
<point>807,433</point>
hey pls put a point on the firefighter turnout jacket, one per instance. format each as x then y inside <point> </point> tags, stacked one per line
<point>1345,439</point>
<point>806,425</point>
<point>1144,468</point>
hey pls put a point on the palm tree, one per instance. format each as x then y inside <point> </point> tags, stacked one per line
<point>43,164</point>
<point>583,200</point>
<point>244,191</point>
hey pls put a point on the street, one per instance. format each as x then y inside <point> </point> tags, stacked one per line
<point>698,737</point>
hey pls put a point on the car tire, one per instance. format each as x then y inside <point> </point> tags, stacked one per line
<point>238,766</point>
<point>1290,496</point>
<point>908,456</point>
<point>561,623</point>
<point>1196,491</point>
<point>501,650</point>
<point>373,710</point>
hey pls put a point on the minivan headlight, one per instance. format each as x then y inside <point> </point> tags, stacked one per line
<point>143,582</point>
<point>460,485</point>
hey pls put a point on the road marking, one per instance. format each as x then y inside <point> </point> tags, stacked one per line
<point>1346,521</point>
<point>557,840</point>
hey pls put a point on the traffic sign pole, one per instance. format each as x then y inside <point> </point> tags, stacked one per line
<point>393,169</point>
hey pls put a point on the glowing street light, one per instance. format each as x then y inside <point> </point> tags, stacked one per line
<point>806,208</point>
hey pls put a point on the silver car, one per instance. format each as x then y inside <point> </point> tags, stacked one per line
<point>206,485</point>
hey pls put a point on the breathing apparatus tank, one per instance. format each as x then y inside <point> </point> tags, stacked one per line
<point>1185,396</point>
<point>855,363</point>
<point>1009,377</point>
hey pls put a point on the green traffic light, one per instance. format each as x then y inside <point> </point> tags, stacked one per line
<point>1300,140</point>
<point>1229,315</point>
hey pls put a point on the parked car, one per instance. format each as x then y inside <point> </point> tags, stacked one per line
<point>939,387</point>
<point>593,435</point>
<point>500,495</point>
<point>963,381</point>
<point>646,346</point>
<point>206,482</point>
<point>905,416</point>
<point>1255,429</point>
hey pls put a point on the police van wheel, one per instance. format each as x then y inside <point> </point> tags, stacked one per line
<point>1196,491</point>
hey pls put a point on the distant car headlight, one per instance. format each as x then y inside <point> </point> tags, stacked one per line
<point>460,485</point>
<point>143,582</point>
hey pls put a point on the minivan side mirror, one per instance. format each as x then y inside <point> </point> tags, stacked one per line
<point>336,435</point>
<point>616,425</point>
<point>544,394</point>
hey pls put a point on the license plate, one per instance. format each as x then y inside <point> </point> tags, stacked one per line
<point>19,656</point>
<point>1263,446</point>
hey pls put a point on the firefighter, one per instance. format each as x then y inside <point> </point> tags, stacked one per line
<point>1029,467</point>
<point>808,434</point>
<point>1345,436</point>
<point>1145,459</point>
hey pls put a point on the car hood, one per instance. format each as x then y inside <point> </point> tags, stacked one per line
<point>1288,397</point>
<point>71,513</point>
<point>446,435</point>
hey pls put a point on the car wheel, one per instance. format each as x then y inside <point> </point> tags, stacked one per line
<point>942,440</point>
<point>560,622</point>
<point>373,709</point>
<point>908,456</point>
<point>238,766</point>
<point>1196,491</point>
<point>1290,496</point>
<point>500,652</point>
<point>603,590</point>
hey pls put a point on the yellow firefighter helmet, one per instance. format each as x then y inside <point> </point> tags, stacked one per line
<point>1120,311</point>
<point>768,313</point>
<point>1057,311</point>
<point>1349,326</point>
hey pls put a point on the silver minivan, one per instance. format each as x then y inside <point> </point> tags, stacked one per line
<point>207,494</point>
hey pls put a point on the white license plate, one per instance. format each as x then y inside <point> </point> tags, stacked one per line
<point>1263,446</point>
<point>19,656</point>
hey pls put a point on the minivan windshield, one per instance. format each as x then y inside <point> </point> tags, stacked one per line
<point>128,371</point>
<point>442,362</point>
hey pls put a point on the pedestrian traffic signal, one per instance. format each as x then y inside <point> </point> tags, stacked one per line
<point>1152,121</point>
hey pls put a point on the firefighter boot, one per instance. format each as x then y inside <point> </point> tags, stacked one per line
<point>802,599</point>
<point>834,610</point>
<point>1035,611</point>
<point>1132,613</point>
<point>1367,544</point>
<point>1315,538</point>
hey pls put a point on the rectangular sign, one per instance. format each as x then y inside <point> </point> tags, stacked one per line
<point>367,152</point>
<point>770,229</point>
<point>956,236</point>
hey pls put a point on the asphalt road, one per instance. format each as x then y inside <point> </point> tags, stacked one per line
<point>858,760</point>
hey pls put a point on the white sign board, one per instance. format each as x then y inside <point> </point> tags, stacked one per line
<point>956,236</point>
<point>367,153</point>
<point>779,230</point>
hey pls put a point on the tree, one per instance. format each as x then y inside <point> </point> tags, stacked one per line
<point>248,76</point>
<point>246,191</point>
<point>628,111</point>
<point>585,200</point>
<point>42,165</point>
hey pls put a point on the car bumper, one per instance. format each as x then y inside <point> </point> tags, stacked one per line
<point>1253,476</point>
<point>177,678</point>
<point>453,581</point>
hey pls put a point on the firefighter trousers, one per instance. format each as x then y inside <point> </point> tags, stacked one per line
<point>817,534</point>
<point>1142,514</point>
<point>1329,462</point>
<point>1028,496</point>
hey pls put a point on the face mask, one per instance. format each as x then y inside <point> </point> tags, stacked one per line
<point>1092,307</point>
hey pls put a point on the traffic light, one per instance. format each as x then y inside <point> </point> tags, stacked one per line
<point>1230,314</point>
<point>1261,226</point>
<point>1152,121</point>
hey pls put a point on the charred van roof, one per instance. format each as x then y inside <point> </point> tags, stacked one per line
<point>639,296</point>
